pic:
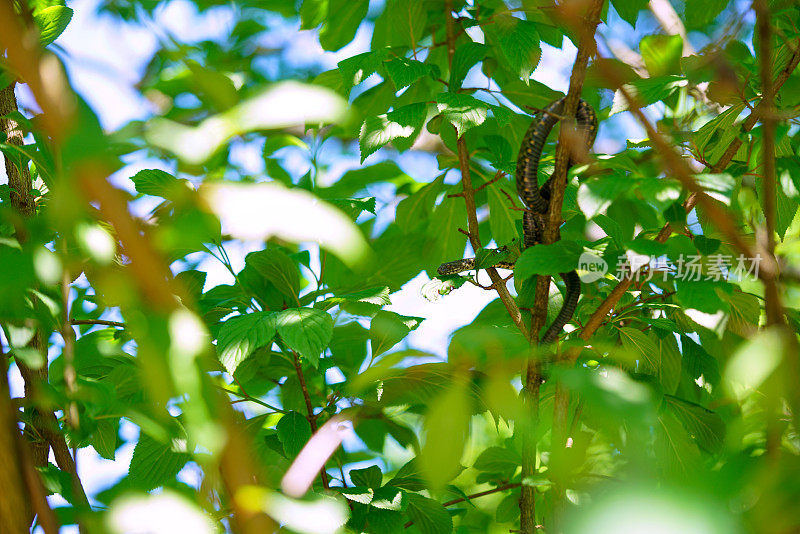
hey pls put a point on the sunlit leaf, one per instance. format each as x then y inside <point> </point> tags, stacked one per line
<point>279,106</point>
<point>241,335</point>
<point>306,330</point>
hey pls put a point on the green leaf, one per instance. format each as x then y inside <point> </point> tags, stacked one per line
<point>447,218</point>
<point>403,123</point>
<point>153,463</point>
<point>241,335</point>
<point>55,480</point>
<point>342,21</point>
<point>596,194</point>
<point>364,302</point>
<point>354,207</point>
<point>519,44</point>
<point>702,295</point>
<point>446,428</point>
<point>705,426</point>
<point>104,438</point>
<point>388,329</point>
<point>157,183</point>
<point>662,54</point>
<point>414,212</point>
<point>358,68</point>
<point>429,516</point>
<point>705,245</point>
<point>644,348</point>
<point>669,372</point>
<point>462,111</point>
<point>52,21</point>
<point>498,460</point>
<point>404,71</point>
<point>647,91</point>
<point>312,13</point>
<point>278,268</point>
<point>400,24</point>
<point>370,477</point>
<point>294,431</point>
<point>502,220</point>
<point>560,257</point>
<point>628,10</point>
<point>306,330</point>
<point>465,57</point>
<point>718,186</point>
<point>700,13</point>
<point>349,347</point>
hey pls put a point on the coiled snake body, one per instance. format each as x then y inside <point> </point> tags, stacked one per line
<point>537,201</point>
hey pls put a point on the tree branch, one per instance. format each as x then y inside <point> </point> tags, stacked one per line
<point>96,322</point>
<point>586,26</point>
<point>312,419</point>
<point>621,288</point>
<point>469,198</point>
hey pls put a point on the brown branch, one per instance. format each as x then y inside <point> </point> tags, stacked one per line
<point>469,197</point>
<point>312,419</point>
<point>498,489</point>
<point>586,27</point>
<point>772,305</point>
<point>15,509</point>
<point>96,322</point>
<point>621,288</point>
<point>147,269</point>
<point>766,239</point>
<point>44,424</point>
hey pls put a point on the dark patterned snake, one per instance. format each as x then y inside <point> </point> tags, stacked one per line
<point>537,202</point>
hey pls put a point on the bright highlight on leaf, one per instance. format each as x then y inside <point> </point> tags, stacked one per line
<point>265,210</point>
<point>166,513</point>
<point>280,106</point>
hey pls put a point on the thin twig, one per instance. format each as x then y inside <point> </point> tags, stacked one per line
<point>97,322</point>
<point>586,28</point>
<point>312,419</point>
<point>498,489</point>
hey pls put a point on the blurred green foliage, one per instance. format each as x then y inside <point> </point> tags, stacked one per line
<point>682,408</point>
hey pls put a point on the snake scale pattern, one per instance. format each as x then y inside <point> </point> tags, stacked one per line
<point>537,202</point>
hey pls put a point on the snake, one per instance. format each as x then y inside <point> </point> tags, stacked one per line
<point>537,201</point>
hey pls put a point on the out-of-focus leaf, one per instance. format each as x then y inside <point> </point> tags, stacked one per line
<point>52,21</point>
<point>280,106</point>
<point>446,427</point>
<point>261,211</point>
<point>629,9</point>
<point>662,54</point>
<point>705,426</point>
<point>647,91</point>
